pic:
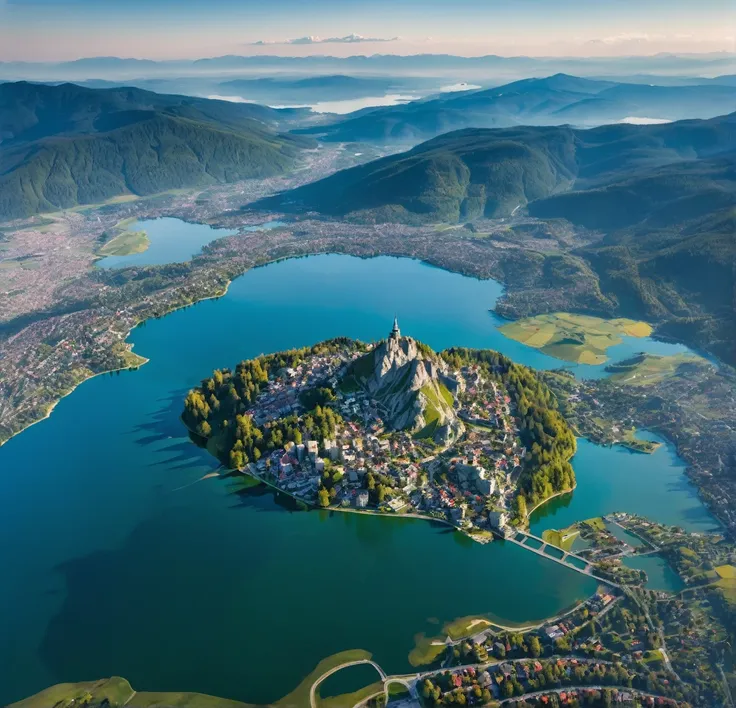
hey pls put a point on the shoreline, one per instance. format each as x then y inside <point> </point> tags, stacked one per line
<point>53,405</point>
<point>130,367</point>
<point>224,290</point>
<point>550,498</point>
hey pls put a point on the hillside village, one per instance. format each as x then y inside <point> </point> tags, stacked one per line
<point>411,435</point>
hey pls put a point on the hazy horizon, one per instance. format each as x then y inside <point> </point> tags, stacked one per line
<point>65,30</point>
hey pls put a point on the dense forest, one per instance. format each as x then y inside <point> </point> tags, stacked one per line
<point>546,435</point>
<point>66,145</point>
<point>472,173</point>
<point>216,410</point>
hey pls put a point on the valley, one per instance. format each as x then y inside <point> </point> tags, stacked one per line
<point>563,293</point>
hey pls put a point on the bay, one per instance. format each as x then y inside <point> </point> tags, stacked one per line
<point>172,241</point>
<point>116,560</point>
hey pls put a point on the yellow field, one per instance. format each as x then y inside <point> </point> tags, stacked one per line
<point>582,339</point>
<point>650,369</point>
<point>635,329</point>
<point>726,572</point>
<point>126,243</point>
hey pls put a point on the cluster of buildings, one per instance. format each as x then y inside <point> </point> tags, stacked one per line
<point>470,483</point>
<point>492,678</point>
<point>283,396</point>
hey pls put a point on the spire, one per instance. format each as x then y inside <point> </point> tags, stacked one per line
<point>396,332</point>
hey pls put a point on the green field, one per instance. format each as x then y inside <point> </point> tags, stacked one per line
<point>426,650</point>
<point>125,244</point>
<point>581,339</point>
<point>115,690</point>
<point>727,582</point>
<point>562,538</point>
<point>649,369</point>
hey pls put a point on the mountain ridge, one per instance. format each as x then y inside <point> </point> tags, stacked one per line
<point>65,145</point>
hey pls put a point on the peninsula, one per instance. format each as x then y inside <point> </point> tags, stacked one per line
<point>465,436</point>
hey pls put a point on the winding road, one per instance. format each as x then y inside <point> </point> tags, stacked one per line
<point>340,667</point>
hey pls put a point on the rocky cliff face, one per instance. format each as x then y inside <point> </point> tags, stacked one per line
<point>407,383</point>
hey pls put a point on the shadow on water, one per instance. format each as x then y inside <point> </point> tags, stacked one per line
<point>126,598</point>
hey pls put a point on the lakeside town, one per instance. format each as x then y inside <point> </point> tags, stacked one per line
<point>366,465</point>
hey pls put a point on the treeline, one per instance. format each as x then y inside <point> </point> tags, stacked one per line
<point>549,440</point>
<point>217,408</point>
<point>247,442</point>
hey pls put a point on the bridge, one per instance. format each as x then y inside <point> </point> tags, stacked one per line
<point>340,667</point>
<point>568,558</point>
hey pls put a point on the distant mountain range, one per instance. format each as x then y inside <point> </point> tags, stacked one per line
<point>474,173</point>
<point>66,145</point>
<point>555,100</point>
<point>436,65</point>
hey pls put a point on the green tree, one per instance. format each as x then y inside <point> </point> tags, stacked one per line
<point>323,497</point>
<point>535,648</point>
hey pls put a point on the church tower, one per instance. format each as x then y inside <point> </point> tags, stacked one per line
<point>395,331</point>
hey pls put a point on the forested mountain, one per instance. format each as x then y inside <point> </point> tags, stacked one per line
<point>555,100</point>
<point>31,111</point>
<point>662,196</point>
<point>66,145</point>
<point>471,173</point>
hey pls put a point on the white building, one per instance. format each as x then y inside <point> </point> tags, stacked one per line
<point>361,499</point>
<point>312,449</point>
<point>498,520</point>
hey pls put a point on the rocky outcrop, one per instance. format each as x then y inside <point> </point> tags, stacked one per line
<point>407,382</point>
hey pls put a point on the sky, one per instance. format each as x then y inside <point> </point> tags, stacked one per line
<point>57,30</point>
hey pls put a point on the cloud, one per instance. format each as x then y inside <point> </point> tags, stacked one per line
<point>312,39</point>
<point>628,38</point>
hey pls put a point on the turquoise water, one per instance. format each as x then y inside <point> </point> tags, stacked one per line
<point>623,535</point>
<point>616,479</point>
<point>660,575</point>
<point>116,560</point>
<point>172,241</point>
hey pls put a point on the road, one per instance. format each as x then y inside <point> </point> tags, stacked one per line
<point>660,632</point>
<point>340,667</point>
<point>567,689</point>
<point>411,680</point>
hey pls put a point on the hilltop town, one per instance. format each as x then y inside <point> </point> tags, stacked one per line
<point>392,428</point>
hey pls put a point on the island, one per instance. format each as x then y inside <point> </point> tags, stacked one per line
<point>465,436</point>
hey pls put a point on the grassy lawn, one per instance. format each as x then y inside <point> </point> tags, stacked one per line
<point>125,244</point>
<point>299,697</point>
<point>116,690</point>
<point>564,538</point>
<point>649,369</point>
<point>727,582</point>
<point>465,626</point>
<point>578,338</point>
<point>397,690</point>
<point>596,523</point>
<point>637,444</point>
<point>426,650</point>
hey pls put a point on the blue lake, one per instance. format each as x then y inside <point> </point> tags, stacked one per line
<point>172,241</point>
<point>660,576</point>
<point>118,561</point>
